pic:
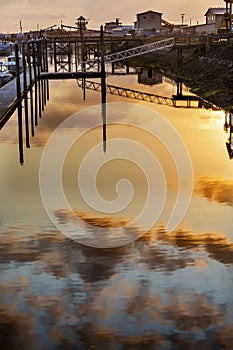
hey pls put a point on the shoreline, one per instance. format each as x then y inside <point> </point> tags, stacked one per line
<point>208,74</point>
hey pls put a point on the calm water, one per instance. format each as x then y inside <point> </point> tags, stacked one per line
<point>160,291</point>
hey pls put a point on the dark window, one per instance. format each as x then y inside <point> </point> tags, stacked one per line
<point>149,73</point>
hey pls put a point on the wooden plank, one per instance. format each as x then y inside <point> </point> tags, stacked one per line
<point>8,98</point>
<point>185,98</point>
<point>69,75</point>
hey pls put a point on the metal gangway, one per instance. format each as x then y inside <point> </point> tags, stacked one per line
<point>132,52</point>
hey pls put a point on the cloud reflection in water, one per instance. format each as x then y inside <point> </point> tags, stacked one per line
<point>68,296</point>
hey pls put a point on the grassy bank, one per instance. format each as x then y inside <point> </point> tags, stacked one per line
<point>209,74</point>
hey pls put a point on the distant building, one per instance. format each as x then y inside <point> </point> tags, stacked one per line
<point>214,22</point>
<point>215,15</point>
<point>81,23</point>
<point>117,29</point>
<point>109,26</point>
<point>149,20</point>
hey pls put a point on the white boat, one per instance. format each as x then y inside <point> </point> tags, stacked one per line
<point>5,75</point>
<point>5,46</point>
<point>11,62</point>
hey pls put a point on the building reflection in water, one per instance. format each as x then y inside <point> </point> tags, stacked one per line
<point>149,76</point>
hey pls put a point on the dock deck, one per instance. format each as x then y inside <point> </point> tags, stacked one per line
<point>8,98</point>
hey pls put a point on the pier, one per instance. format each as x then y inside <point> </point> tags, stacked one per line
<point>8,98</point>
<point>45,60</point>
<point>35,73</point>
<point>37,67</point>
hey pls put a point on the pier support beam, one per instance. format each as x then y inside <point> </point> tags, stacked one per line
<point>19,105</point>
<point>103,87</point>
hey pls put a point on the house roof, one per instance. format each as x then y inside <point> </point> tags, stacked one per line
<point>216,10</point>
<point>81,18</point>
<point>150,11</point>
<point>112,23</point>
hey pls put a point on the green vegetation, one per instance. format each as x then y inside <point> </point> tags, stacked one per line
<point>210,93</point>
<point>208,73</point>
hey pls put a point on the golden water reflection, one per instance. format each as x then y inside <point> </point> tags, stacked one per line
<point>163,291</point>
<point>218,190</point>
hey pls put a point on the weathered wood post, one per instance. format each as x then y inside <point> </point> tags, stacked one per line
<point>55,55</point>
<point>83,56</point>
<point>103,86</point>
<point>43,63</point>
<point>179,66</point>
<point>46,65</point>
<point>98,56</point>
<point>44,55</point>
<point>34,58</point>
<point>36,87</point>
<point>29,54</point>
<point>69,56</point>
<point>38,64</point>
<point>50,53</point>
<point>19,105</point>
<point>32,111</point>
<point>29,61</point>
<point>113,64</point>
<point>127,63</point>
<point>24,67</point>
<point>25,90</point>
<point>75,56</point>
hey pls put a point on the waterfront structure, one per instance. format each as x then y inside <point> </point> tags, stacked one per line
<point>215,15</point>
<point>148,21</point>
<point>215,22</point>
<point>228,17</point>
<point>110,26</point>
<point>81,23</point>
<point>149,76</point>
<point>117,29</point>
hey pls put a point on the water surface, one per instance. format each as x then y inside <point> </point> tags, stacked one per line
<point>162,291</point>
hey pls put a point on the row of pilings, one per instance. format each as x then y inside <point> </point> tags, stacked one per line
<point>38,61</point>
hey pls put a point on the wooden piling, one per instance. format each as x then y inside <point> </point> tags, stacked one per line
<point>179,66</point>
<point>29,61</point>
<point>127,63</point>
<point>75,56</point>
<point>69,56</point>
<point>55,55</point>
<point>103,86</point>
<point>25,84</point>
<point>39,99</point>
<point>30,67</point>
<point>19,105</point>
<point>34,58</point>
<point>24,67</point>
<point>36,103</point>
<point>32,112</point>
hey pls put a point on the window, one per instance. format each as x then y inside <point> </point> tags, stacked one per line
<point>211,18</point>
